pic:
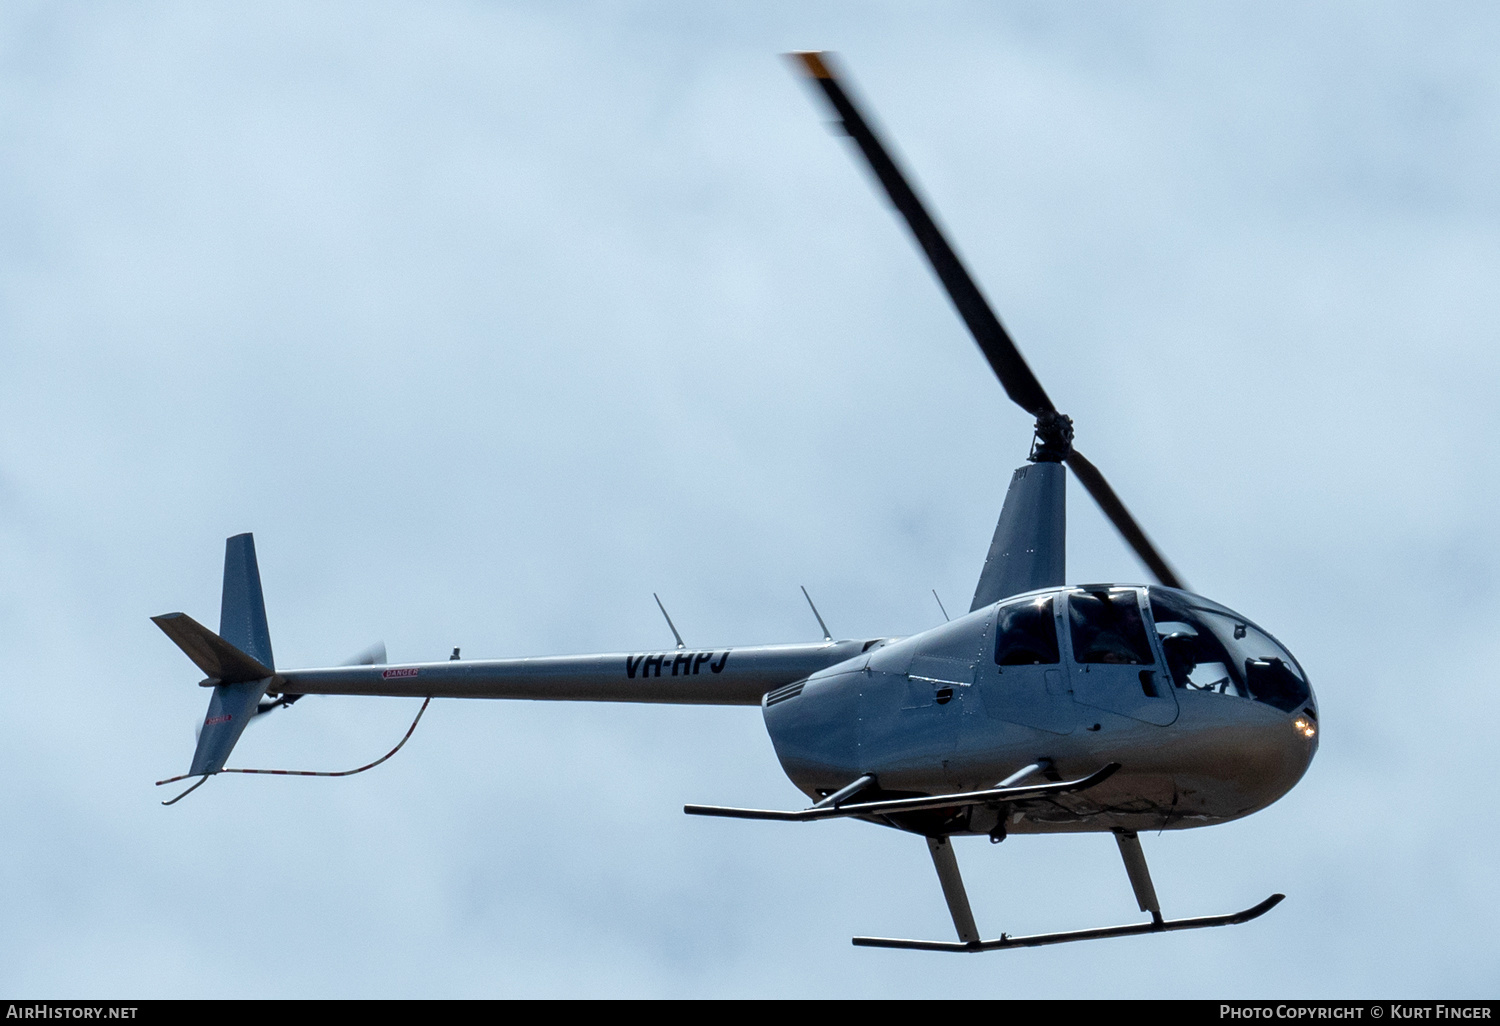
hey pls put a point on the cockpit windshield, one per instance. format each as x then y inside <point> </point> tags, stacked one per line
<point>1215,650</point>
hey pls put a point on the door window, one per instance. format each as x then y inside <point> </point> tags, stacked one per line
<point>1026,633</point>
<point>1107,627</point>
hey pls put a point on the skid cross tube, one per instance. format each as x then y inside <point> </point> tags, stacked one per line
<point>954,894</point>
<point>891,806</point>
<point>846,792</point>
<point>1140,875</point>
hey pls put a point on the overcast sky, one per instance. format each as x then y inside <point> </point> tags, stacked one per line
<point>490,320</point>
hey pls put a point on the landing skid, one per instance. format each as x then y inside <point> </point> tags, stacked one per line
<point>1098,933</point>
<point>946,864</point>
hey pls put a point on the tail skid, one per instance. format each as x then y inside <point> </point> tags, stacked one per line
<point>300,773</point>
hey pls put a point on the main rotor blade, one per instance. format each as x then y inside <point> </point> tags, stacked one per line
<point>1088,475</point>
<point>1015,376</point>
<point>1009,366</point>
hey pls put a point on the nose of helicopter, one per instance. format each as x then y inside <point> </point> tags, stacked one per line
<point>1288,748</point>
<point>1240,756</point>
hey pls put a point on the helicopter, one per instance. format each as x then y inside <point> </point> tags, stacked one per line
<point>1046,708</point>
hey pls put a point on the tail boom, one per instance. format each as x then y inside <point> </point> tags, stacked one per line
<point>738,676</point>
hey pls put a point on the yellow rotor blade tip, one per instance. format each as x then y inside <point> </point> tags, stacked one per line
<point>813,61</point>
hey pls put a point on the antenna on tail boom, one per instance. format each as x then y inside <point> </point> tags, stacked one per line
<point>669,620</point>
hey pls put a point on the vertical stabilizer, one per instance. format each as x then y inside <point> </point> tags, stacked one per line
<point>1029,549</point>
<point>242,623</point>
<point>242,613</point>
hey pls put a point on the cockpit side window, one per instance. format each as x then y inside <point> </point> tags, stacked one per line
<point>1107,627</point>
<point>1026,633</point>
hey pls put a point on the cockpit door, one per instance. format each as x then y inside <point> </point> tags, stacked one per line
<point>1023,680</point>
<point>1113,661</point>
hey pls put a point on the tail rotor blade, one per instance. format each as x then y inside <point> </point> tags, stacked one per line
<point>1010,367</point>
<point>372,656</point>
<point>1093,482</point>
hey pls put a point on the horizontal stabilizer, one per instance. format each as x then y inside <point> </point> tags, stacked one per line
<point>891,806</point>
<point>1098,933</point>
<point>216,657</point>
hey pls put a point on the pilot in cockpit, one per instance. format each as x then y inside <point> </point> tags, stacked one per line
<point>1195,659</point>
<point>1216,650</point>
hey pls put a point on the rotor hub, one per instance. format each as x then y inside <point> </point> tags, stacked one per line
<point>1052,441</point>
